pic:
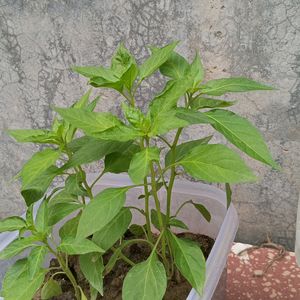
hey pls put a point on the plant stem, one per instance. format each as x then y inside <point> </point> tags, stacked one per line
<point>147,211</point>
<point>87,187</point>
<point>97,179</point>
<point>125,258</point>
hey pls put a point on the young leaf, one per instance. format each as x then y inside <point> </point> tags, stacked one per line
<point>157,58</point>
<point>17,285</point>
<point>222,86</point>
<point>190,261</point>
<point>17,246</point>
<point>203,211</point>
<point>34,136</point>
<point>228,194</point>
<point>196,70</point>
<point>240,132</point>
<point>89,122</point>
<point>216,163</point>
<point>109,234</point>
<point>75,246</point>
<point>92,267</point>
<point>29,216</point>
<point>91,72</point>
<point>51,289</point>
<point>172,222</point>
<point>35,260</point>
<point>175,67</point>
<point>184,148</point>
<point>12,224</point>
<point>41,221</point>
<point>69,229</point>
<point>201,102</point>
<point>177,223</point>
<point>73,185</point>
<point>140,163</point>
<point>100,211</point>
<point>145,281</point>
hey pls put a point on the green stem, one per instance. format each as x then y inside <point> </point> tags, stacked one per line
<point>87,187</point>
<point>125,258</point>
<point>97,179</point>
<point>147,211</point>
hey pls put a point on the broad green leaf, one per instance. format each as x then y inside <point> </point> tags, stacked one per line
<point>64,196</point>
<point>73,185</point>
<point>192,116</point>
<point>118,162</point>
<point>75,246</point>
<point>78,143</point>
<point>240,132</point>
<point>41,221</point>
<point>228,194</point>
<point>145,281</point>
<point>120,133</point>
<point>17,246</point>
<point>175,67</point>
<point>174,222</point>
<point>51,289</point>
<point>38,164</point>
<point>222,86</point>
<point>201,102</point>
<point>156,59</point>
<point>216,163</point>
<point>140,164</point>
<point>100,211</point>
<point>17,284</point>
<point>137,230</point>
<point>36,189</point>
<point>34,136</point>
<point>35,260</point>
<point>92,267</point>
<point>202,210</point>
<point>90,122</point>
<point>184,148</point>
<point>190,261</point>
<point>135,117</point>
<point>91,72</point>
<point>84,100</point>
<point>59,211</point>
<point>100,82</point>
<point>93,150</point>
<point>12,224</point>
<point>69,229</point>
<point>196,70</point>
<point>109,234</point>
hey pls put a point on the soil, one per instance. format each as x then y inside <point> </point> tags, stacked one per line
<point>178,288</point>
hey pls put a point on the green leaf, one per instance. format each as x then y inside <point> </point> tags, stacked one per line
<point>12,224</point>
<point>92,150</point>
<point>240,132</point>
<point>59,211</point>
<point>17,284</point>
<point>137,230</point>
<point>29,216</point>
<point>140,164</point>
<point>64,196</point>
<point>34,136</point>
<point>135,117</point>
<point>73,185</point>
<point>35,190</point>
<point>90,122</point>
<point>78,143</point>
<point>175,67</point>
<point>185,148</point>
<point>69,229</point>
<point>38,164</point>
<point>41,221</point>
<point>17,246</point>
<point>196,70</point>
<point>174,222</point>
<point>73,246</point>
<point>202,210</point>
<point>191,116</point>
<point>118,162</point>
<point>51,289</point>
<point>109,234</point>
<point>35,260</point>
<point>222,86</point>
<point>190,261</point>
<point>100,82</point>
<point>100,211</point>
<point>216,163</point>
<point>156,59</point>
<point>201,102</point>
<point>90,72</point>
<point>145,281</point>
<point>92,268</point>
<point>83,296</point>
<point>228,194</point>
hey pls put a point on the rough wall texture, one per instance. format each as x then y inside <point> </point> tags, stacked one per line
<point>40,40</point>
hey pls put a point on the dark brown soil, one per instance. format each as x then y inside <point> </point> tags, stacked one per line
<point>178,287</point>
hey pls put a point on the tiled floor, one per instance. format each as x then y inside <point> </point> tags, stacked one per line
<point>282,280</point>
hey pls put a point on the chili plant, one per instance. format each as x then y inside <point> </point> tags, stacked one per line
<point>127,144</point>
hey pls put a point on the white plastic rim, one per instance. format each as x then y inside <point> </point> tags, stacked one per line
<point>222,228</point>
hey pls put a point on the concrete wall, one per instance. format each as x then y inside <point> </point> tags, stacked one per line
<point>40,40</point>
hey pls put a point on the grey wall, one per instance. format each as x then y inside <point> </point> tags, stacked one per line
<point>40,40</point>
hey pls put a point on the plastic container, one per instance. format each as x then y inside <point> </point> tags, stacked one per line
<point>222,227</point>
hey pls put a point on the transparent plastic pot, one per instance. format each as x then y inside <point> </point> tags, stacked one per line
<point>222,227</point>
